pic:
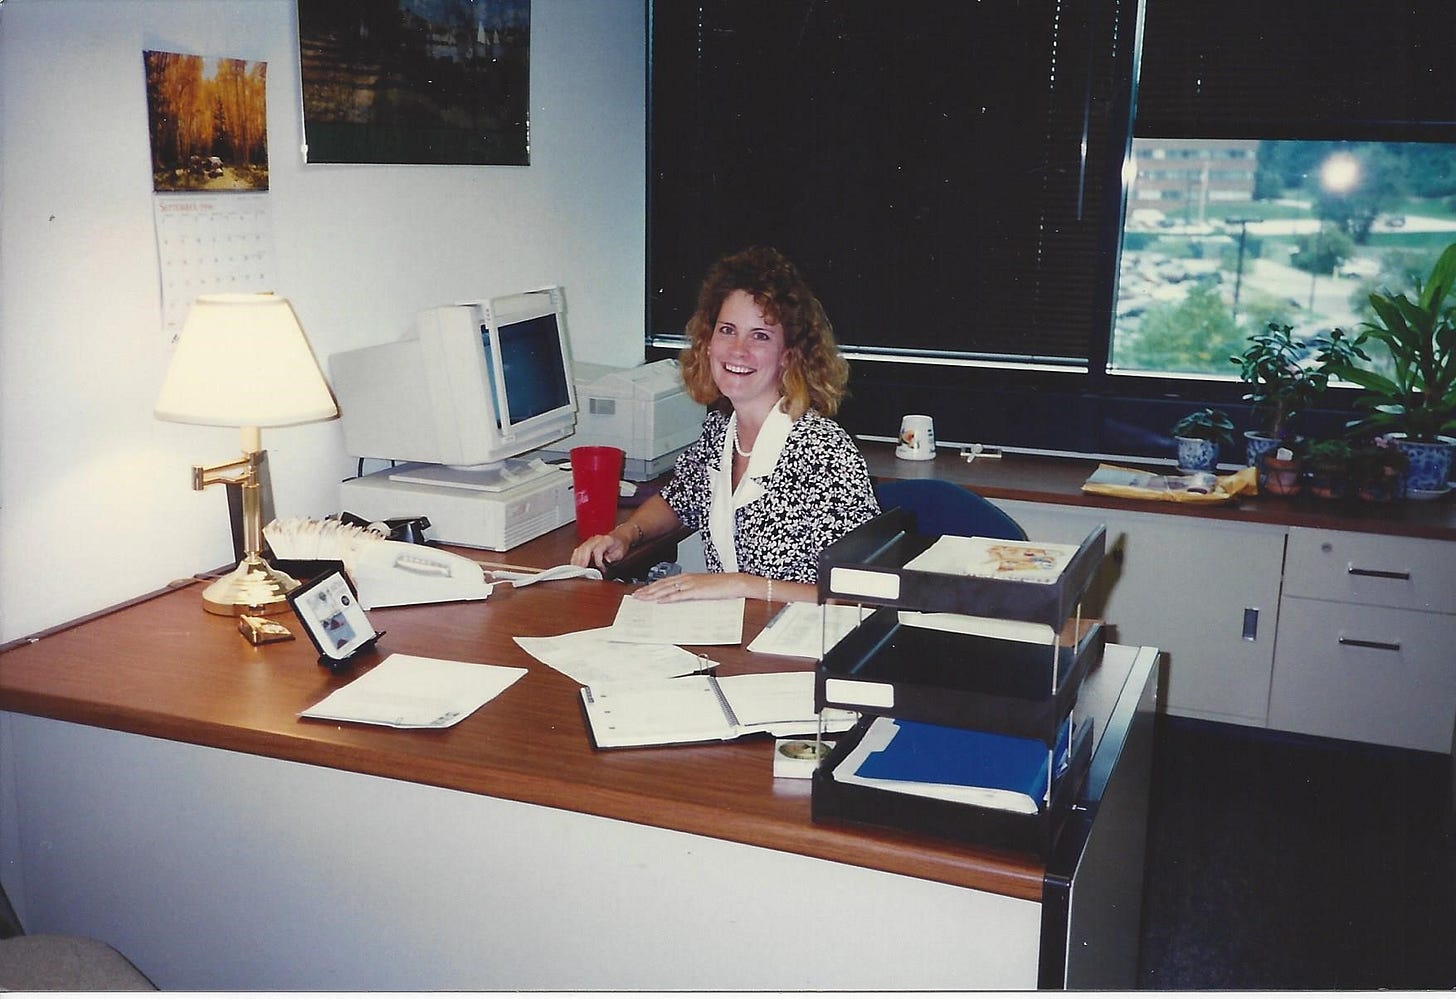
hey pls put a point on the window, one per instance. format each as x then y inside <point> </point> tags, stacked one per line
<point>951,176</point>
<point>1301,238</point>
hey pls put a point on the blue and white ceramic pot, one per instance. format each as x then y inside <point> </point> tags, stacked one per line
<point>1256,445</point>
<point>1196,454</point>
<point>1430,464</point>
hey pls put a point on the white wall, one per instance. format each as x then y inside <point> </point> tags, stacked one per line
<point>95,504</point>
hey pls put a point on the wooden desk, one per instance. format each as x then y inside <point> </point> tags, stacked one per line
<point>206,864</point>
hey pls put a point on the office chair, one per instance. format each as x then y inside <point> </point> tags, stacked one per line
<point>46,963</point>
<point>942,507</point>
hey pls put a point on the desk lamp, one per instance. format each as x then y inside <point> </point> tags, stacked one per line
<point>243,361</point>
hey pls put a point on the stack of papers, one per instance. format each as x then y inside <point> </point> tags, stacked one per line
<point>805,630</point>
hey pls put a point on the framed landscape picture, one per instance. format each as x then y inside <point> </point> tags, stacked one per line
<point>208,122</point>
<point>416,81</point>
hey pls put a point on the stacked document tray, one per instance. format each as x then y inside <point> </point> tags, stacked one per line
<point>972,659</point>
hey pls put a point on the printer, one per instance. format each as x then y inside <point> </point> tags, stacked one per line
<point>645,411</point>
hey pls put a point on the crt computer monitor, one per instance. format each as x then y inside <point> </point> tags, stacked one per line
<point>469,387</point>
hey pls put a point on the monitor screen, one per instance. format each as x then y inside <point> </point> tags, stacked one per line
<point>533,370</point>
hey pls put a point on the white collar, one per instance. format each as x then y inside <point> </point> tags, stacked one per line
<point>725,500</point>
<point>768,445</point>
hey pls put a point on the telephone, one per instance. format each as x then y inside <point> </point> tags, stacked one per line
<point>386,573</point>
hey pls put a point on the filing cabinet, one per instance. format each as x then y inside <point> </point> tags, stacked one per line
<point>1366,645</point>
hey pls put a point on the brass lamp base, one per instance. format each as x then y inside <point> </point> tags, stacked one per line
<point>254,587</point>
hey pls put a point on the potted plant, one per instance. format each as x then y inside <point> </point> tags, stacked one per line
<point>1200,434</point>
<point>1329,468</point>
<point>1417,400</point>
<point>1286,375</point>
<point>1281,469</point>
<point>1377,469</point>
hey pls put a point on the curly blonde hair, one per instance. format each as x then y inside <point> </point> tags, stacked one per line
<point>815,375</point>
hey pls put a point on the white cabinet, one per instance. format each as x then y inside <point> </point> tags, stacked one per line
<point>1205,592</point>
<point>1367,639</point>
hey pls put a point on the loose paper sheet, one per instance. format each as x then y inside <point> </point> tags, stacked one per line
<point>592,657</point>
<point>414,692</point>
<point>691,622</point>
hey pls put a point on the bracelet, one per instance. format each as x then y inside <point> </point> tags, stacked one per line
<point>640,535</point>
<point>769,581</point>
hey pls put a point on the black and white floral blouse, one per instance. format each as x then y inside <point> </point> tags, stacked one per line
<point>791,503</point>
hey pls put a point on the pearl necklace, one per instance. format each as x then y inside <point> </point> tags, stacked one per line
<point>737,447</point>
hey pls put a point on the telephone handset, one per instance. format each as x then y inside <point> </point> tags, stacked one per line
<point>386,573</point>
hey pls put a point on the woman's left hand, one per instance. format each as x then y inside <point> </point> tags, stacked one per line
<point>698,586</point>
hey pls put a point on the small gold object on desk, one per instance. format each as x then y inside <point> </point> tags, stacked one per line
<point>261,630</point>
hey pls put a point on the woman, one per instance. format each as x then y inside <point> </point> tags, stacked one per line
<point>773,479</point>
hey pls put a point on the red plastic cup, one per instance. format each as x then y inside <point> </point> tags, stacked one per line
<point>596,475</point>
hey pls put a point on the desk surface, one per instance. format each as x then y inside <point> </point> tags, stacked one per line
<point>162,667</point>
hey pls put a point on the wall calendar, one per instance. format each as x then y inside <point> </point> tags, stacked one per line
<point>210,244</point>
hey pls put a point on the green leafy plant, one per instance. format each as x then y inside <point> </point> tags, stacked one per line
<point>1419,397</point>
<point>1329,468</point>
<point>1330,455</point>
<point>1286,374</point>
<point>1207,425</point>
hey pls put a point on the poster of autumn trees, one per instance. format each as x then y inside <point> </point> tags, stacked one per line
<point>209,123</point>
<point>416,81</point>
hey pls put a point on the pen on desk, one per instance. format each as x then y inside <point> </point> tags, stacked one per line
<point>973,451</point>
<point>708,669</point>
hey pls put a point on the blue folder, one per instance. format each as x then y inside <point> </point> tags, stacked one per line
<point>940,754</point>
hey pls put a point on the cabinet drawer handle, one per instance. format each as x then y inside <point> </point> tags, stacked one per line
<point>1363,643</point>
<point>1378,573</point>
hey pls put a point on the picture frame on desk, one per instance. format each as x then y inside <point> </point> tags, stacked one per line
<point>328,608</point>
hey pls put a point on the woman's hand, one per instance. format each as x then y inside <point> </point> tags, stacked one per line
<point>653,519</point>
<point>599,549</point>
<point>701,586</point>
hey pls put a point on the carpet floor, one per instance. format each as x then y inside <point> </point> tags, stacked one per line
<point>1284,862</point>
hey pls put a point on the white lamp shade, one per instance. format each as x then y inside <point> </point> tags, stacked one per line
<point>243,361</point>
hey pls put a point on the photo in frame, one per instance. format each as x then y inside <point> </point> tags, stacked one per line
<point>416,81</point>
<point>207,119</point>
<point>329,610</point>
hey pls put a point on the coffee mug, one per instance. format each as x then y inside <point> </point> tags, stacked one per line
<point>917,438</point>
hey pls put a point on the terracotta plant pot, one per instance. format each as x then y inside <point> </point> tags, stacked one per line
<point>1280,476</point>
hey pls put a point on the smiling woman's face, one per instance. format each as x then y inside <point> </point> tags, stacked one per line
<point>747,354</point>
